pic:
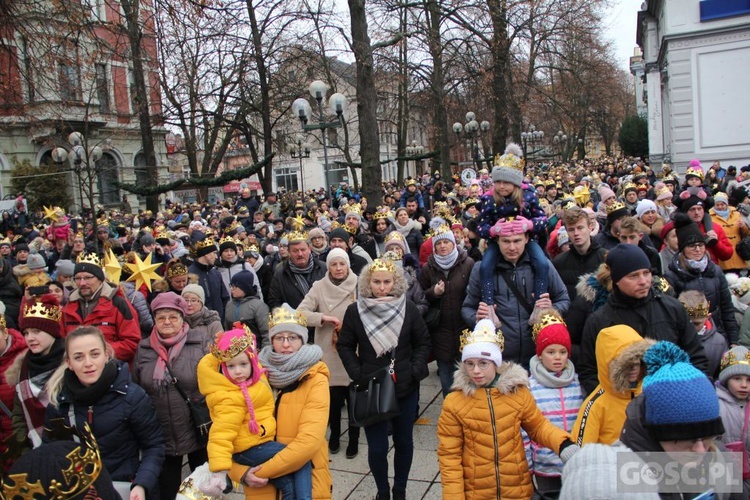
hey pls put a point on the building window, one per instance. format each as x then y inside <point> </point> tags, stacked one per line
<point>109,194</point>
<point>96,7</point>
<point>70,89</point>
<point>186,171</point>
<point>287,177</point>
<point>102,88</point>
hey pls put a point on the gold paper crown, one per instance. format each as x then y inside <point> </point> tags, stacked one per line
<point>3,324</point>
<point>730,359</point>
<point>391,255</point>
<point>382,213</point>
<point>470,201</point>
<point>282,315</point>
<point>206,242</point>
<point>234,226</point>
<point>441,205</point>
<point>335,224</point>
<point>669,178</point>
<point>698,311</point>
<point>740,288</point>
<point>237,345</point>
<point>88,258</point>
<point>544,322</point>
<point>161,235</point>
<point>393,235</point>
<point>5,241</point>
<point>296,236</point>
<point>253,248</point>
<point>410,182</point>
<point>42,311</point>
<point>102,221</point>
<point>662,191</point>
<point>226,239</point>
<point>549,183</point>
<point>537,182</point>
<point>697,172</point>
<point>382,265</point>
<point>511,158</point>
<point>177,269</point>
<point>617,205</point>
<point>629,185</point>
<point>350,229</point>
<point>84,469</point>
<point>482,333</point>
<point>354,207</point>
<point>441,229</point>
<point>80,235</point>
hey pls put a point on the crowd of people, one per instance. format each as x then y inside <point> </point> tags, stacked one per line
<point>570,310</point>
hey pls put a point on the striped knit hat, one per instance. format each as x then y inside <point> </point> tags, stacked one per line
<point>671,416</point>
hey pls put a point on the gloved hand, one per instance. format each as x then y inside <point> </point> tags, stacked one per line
<point>496,229</point>
<point>215,485</point>
<point>568,452</point>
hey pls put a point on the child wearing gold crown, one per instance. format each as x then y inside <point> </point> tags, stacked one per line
<point>510,197</point>
<point>714,343</point>
<point>557,392</point>
<point>241,404</point>
<point>733,390</point>
<point>480,448</point>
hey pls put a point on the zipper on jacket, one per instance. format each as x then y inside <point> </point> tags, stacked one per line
<point>494,439</point>
<point>90,415</point>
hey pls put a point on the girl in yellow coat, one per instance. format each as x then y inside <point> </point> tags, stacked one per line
<point>242,410</point>
<point>480,447</point>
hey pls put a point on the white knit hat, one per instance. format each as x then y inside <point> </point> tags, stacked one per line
<point>337,253</point>
<point>482,349</point>
<point>644,206</point>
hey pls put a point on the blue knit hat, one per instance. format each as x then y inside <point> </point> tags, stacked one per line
<point>670,414</point>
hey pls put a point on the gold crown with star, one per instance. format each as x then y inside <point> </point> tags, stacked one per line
<point>237,345</point>
<point>482,333</point>
<point>382,265</point>
<point>545,321</point>
<point>730,359</point>
<point>618,205</point>
<point>283,315</point>
<point>84,469</point>
<point>297,233</point>
<point>89,258</point>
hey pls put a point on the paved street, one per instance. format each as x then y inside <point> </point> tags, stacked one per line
<point>351,478</point>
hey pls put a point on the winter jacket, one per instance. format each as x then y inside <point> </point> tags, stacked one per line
<point>7,389</point>
<point>229,269</point>
<point>230,432</point>
<point>723,249</point>
<point>171,409</point>
<point>490,212</point>
<point>714,286</point>
<point>519,346</point>
<point>715,345</point>
<point>28,278</point>
<point>602,414</point>
<point>734,234</point>
<point>326,298</point>
<point>125,426</point>
<point>571,265</point>
<point>206,322</point>
<point>480,449</point>
<point>145,320</point>
<point>445,338</point>
<point>560,406</point>
<point>251,311</point>
<point>411,352</point>
<point>113,315</point>
<point>657,316</point>
<point>11,293</point>
<point>284,286</point>
<point>210,279</point>
<point>301,421</point>
<point>733,415</point>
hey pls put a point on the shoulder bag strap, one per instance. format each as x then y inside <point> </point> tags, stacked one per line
<point>519,296</point>
<point>6,410</point>
<point>177,386</point>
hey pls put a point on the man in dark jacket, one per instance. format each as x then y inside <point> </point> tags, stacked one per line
<point>209,278</point>
<point>341,238</point>
<point>584,255</point>
<point>634,302</point>
<point>513,280</point>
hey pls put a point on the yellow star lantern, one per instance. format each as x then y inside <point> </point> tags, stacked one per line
<point>112,267</point>
<point>50,213</point>
<point>143,272</point>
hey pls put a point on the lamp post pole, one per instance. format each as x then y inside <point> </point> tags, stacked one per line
<point>532,136</point>
<point>301,151</point>
<point>80,157</point>
<point>471,130</point>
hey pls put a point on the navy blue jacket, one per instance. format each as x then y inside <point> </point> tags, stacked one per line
<point>126,429</point>
<point>212,283</point>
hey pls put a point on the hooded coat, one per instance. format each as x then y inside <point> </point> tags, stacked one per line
<point>602,413</point>
<point>206,322</point>
<point>7,387</point>
<point>734,233</point>
<point>480,448</point>
<point>11,293</point>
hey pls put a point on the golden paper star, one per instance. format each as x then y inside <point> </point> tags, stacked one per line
<point>112,267</point>
<point>298,222</point>
<point>50,213</point>
<point>143,272</point>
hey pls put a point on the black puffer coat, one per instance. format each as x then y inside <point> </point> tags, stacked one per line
<point>571,265</point>
<point>11,293</point>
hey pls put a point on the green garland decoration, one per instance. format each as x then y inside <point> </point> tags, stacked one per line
<point>220,180</point>
<point>424,156</point>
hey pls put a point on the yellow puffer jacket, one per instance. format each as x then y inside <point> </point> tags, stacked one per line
<point>301,425</point>
<point>480,448</point>
<point>735,233</point>
<point>230,432</point>
<point>602,413</point>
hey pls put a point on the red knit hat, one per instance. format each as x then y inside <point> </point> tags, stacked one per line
<point>549,330</point>
<point>42,313</point>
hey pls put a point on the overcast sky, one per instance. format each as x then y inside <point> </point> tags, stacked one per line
<point>620,23</point>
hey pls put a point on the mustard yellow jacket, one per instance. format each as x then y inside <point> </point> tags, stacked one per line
<point>480,449</point>
<point>230,432</point>
<point>301,425</point>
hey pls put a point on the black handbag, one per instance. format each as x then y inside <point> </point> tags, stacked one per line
<point>743,248</point>
<point>432,317</point>
<point>373,399</point>
<point>198,413</point>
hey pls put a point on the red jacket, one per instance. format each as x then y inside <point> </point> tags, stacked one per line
<point>723,250</point>
<point>7,391</point>
<point>113,315</point>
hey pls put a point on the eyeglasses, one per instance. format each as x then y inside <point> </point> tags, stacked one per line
<point>83,278</point>
<point>193,301</point>
<point>291,339</point>
<point>483,365</point>
<point>696,246</point>
<point>171,319</point>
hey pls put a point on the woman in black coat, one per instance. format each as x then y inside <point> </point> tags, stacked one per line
<point>383,327</point>
<point>96,388</point>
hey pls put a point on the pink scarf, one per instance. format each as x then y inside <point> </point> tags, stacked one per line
<point>167,350</point>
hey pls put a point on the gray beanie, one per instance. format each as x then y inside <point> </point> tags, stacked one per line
<point>734,362</point>
<point>196,290</point>
<point>35,261</point>
<point>65,267</point>
<point>507,174</point>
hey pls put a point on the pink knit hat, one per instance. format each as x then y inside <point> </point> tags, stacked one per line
<point>231,344</point>
<point>605,193</point>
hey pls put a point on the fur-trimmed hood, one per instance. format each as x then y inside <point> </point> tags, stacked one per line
<point>617,349</point>
<point>399,286</point>
<point>512,376</point>
<point>594,291</point>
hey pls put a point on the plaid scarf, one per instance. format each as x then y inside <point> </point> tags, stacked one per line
<point>382,318</point>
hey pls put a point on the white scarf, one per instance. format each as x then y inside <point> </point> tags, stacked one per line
<point>406,228</point>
